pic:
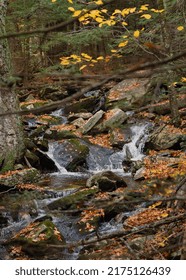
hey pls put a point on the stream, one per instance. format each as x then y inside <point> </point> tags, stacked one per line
<point>19,209</point>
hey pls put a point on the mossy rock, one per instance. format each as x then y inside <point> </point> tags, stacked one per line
<point>18,177</point>
<point>49,120</point>
<point>59,134</point>
<point>73,200</point>
<point>36,236</point>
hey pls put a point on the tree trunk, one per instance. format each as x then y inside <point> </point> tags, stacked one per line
<point>11,135</point>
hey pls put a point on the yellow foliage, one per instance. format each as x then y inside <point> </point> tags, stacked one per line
<point>144,7</point>
<point>136,33</point>
<point>99,2</point>
<point>146,16</point>
<point>123,44</point>
<point>180,28</point>
<point>71,9</point>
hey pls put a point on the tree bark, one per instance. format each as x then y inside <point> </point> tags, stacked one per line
<point>11,135</point>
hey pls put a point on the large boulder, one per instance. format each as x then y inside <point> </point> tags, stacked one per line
<point>35,238</point>
<point>71,154</point>
<point>106,181</point>
<point>163,138</point>
<point>129,94</point>
<point>18,177</point>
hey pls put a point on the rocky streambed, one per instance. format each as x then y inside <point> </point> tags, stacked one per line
<point>97,184</point>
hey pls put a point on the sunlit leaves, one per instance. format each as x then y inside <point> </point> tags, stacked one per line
<point>146,16</point>
<point>157,11</point>
<point>136,33</point>
<point>71,9</point>
<point>99,2</point>
<point>183,79</point>
<point>144,7</point>
<point>180,28</point>
<point>123,44</point>
<point>77,13</point>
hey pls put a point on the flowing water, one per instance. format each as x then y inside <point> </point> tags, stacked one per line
<point>57,185</point>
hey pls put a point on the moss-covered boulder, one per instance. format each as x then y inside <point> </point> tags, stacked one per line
<point>35,238</point>
<point>72,201</point>
<point>18,177</point>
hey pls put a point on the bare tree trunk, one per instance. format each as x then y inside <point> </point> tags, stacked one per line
<point>11,136</point>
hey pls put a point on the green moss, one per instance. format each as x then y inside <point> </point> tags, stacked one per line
<point>8,161</point>
<point>71,201</point>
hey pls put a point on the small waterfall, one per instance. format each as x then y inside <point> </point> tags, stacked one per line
<point>103,159</point>
<point>60,113</point>
<point>50,153</point>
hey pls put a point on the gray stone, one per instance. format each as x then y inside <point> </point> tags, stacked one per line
<point>92,121</point>
<point>162,139</point>
<point>129,94</point>
<point>106,181</point>
<point>115,119</point>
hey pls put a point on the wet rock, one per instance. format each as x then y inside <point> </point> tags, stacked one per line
<point>129,94</point>
<point>162,138</point>
<point>73,200</point>
<point>18,177</point>
<point>71,154</point>
<point>35,238</point>
<point>106,181</point>
<point>92,121</point>
<point>118,138</point>
<point>46,164</point>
